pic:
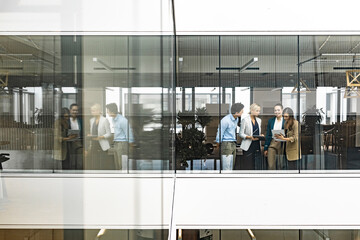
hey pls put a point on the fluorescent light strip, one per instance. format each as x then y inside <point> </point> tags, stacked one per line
<point>102,63</point>
<point>340,54</point>
<point>322,45</point>
<point>354,47</point>
<point>101,232</point>
<point>251,234</point>
<point>248,64</point>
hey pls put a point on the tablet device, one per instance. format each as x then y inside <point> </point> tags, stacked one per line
<point>261,138</point>
<point>282,132</point>
<point>73,132</point>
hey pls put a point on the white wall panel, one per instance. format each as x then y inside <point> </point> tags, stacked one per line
<point>287,201</point>
<point>116,202</point>
<point>204,16</point>
<point>136,16</point>
<point>212,201</point>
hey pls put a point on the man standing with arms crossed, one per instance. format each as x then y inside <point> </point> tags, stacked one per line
<point>226,135</point>
<point>123,135</point>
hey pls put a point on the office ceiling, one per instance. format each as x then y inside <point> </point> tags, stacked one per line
<point>34,60</point>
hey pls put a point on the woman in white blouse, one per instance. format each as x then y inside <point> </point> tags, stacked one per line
<point>250,127</point>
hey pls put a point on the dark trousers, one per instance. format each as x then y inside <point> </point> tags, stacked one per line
<point>254,153</point>
<point>99,159</point>
<point>293,165</point>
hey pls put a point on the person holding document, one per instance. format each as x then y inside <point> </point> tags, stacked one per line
<point>272,148</point>
<point>100,134</point>
<point>250,132</point>
<point>291,137</point>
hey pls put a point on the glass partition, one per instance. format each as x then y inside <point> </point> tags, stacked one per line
<point>86,103</point>
<point>83,234</point>
<point>256,69</point>
<point>133,103</point>
<point>268,234</point>
<point>329,69</point>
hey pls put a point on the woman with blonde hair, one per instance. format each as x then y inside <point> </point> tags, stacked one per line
<point>250,127</point>
<point>291,147</point>
<point>99,134</point>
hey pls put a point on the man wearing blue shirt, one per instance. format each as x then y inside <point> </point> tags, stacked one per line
<point>123,134</point>
<point>226,135</point>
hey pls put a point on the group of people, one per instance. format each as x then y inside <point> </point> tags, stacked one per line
<point>281,140</point>
<point>68,141</point>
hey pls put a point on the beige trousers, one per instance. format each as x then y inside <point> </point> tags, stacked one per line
<point>275,155</point>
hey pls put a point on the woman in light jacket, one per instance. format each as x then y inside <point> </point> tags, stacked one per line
<point>100,134</point>
<point>250,126</point>
<point>291,147</point>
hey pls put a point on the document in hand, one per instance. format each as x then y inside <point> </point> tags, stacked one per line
<point>280,132</point>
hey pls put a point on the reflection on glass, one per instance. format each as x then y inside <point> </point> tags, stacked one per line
<point>82,234</point>
<point>269,234</point>
<point>41,75</point>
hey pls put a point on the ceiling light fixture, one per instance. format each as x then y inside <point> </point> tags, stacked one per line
<point>248,64</point>
<point>322,235</point>
<point>242,68</point>
<point>354,47</point>
<point>340,54</point>
<point>101,232</point>
<point>251,234</point>
<point>329,55</point>
<point>107,67</point>
<point>322,45</point>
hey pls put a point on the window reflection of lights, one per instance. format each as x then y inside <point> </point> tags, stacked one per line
<point>251,234</point>
<point>101,232</point>
<point>354,47</point>
<point>323,44</point>
<point>69,90</point>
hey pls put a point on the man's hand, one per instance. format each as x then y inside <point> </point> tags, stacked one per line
<point>265,153</point>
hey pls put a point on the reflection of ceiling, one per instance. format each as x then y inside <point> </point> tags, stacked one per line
<point>33,60</point>
<point>29,54</point>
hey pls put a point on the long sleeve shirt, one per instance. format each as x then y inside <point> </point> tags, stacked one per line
<point>122,130</point>
<point>227,129</point>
